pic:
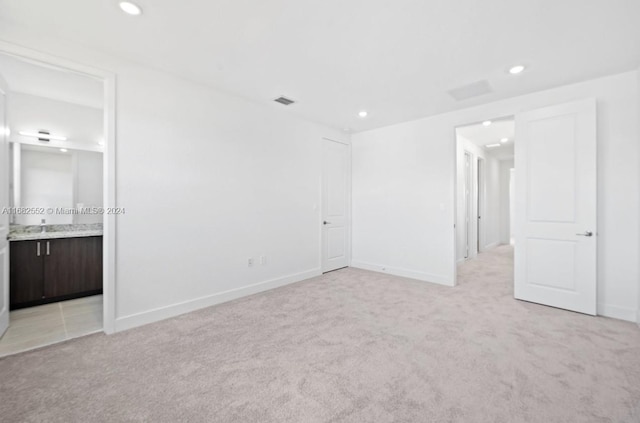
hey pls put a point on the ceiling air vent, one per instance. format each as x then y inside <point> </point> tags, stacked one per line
<point>472,90</point>
<point>284,100</point>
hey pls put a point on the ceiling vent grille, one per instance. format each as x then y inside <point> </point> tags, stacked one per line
<point>472,90</point>
<point>284,100</point>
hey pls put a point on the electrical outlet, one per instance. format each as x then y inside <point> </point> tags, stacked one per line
<point>263,260</point>
<point>250,262</point>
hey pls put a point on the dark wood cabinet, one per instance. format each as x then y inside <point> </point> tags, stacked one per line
<point>72,265</point>
<point>51,270</point>
<point>26,272</point>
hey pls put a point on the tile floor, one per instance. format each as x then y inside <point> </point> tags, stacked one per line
<point>36,327</point>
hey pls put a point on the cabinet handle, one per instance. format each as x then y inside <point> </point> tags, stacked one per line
<point>48,248</point>
<point>38,249</point>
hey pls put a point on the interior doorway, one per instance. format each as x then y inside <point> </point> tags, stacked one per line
<point>58,198</point>
<point>484,168</point>
<point>336,211</point>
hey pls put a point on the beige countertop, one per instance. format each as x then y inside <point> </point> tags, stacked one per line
<point>34,232</point>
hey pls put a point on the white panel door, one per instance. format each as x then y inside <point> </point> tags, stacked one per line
<point>555,234</point>
<point>4,217</point>
<point>335,206</point>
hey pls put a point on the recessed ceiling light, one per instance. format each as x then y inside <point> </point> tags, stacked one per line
<point>503,140</point>
<point>64,150</point>
<point>42,135</point>
<point>514,70</point>
<point>363,114</point>
<point>492,145</point>
<point>486,123</point>
<point>130,8</point>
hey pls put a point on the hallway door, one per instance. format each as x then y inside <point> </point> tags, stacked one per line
<point>556,234</point>
<point>335,205</point>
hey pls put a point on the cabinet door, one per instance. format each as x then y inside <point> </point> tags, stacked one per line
<point>72,266</point>
<point>26,272</point>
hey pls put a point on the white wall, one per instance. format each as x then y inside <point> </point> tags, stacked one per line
<point>492,211</point>
<point>88,184</point>
<point>490,216</point>
<point>403,189</point>
<point>207,180</point>
<point>505,216</point>
<point>638,133</point>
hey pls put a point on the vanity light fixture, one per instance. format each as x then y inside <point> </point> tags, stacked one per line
<point>43,135</point>
<point>503,140</point>
<point>130,8</point>
<point>492,145</point>
<point>363,114</point>
<point>515,70</point>
<point>486,123</point>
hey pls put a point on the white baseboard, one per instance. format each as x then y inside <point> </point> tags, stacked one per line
<point>161,313</point>
<point>405,273</point>
<point>617,312</point>
<point>490,246</point>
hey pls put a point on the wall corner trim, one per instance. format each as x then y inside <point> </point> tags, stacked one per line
<point>405,273</point>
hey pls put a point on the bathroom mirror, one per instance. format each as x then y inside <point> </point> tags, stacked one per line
<point>62,186</point>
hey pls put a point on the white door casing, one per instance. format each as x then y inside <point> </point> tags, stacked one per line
<point>556,234</point>
<point>480,205</point>
<point>4,217</point>
<point>335,205</point>
<point>468,187</point>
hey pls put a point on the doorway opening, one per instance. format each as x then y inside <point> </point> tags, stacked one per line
<point>484,187</point>
<point>57,278</point>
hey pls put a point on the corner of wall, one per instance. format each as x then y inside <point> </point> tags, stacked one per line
<point>404,273</point>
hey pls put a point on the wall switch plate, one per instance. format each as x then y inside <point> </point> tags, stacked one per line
<point>263,260</point>
<point>250,262</point>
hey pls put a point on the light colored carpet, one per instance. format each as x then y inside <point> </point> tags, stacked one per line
<point>349,346</point>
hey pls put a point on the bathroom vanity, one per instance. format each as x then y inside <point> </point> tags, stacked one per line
<point>62,263</point>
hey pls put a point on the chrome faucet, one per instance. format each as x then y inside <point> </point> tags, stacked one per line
<point>43,226</point>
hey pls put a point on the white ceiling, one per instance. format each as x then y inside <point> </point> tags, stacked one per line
<point>396,59</point>
<point>29,78</point>
<point>482,135</point>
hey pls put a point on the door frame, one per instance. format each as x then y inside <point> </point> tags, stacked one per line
<point>321,202</point>
<point>481,117</point>
<point>109,163</point>
<point>480,200</point>
<point>468,196</point>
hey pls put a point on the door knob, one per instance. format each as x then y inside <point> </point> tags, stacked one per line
<point>587,233</point>
<point>326,223</point>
